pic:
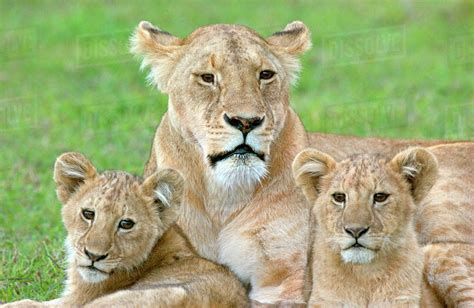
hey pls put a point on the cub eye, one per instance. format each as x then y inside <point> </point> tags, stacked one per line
<point>88,214</point>
<point>339,197</point>
<point>380,197</point>
<point>266,74</point>
<point>126,224</point>
<point>207,78</point>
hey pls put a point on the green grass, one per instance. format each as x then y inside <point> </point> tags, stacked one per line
<point>399,69</point>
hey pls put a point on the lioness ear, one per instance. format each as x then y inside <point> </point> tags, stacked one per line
<point>308,168</point>
<point>292,41</point>
<point>71,170</point>
<point>165,187</point>
<point>419,168</point>
<point>158,49</point>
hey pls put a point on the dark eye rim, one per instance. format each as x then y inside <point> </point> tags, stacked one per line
<point>266,74</point>
<point>126,224</point>
<point>88,214</point>
<point>339,194</point>
<point>208,78</point>
<point>384,197</point>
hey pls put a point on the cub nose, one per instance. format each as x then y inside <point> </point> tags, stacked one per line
<point>356,232</point>
<point>245,125</point>
<point>94,257</point>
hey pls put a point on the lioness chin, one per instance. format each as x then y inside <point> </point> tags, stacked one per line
<point>231,132</point>
<point>124,248</point>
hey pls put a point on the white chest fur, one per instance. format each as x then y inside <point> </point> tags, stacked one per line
<point>238,252</point>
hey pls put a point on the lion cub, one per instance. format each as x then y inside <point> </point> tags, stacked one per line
<point>365,251</point>
<point>124,246</point>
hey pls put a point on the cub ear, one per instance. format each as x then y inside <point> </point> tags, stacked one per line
<point>419,168</point>
<point>309,167</point>
<point>292,41</point>
<point>165,187</point>
<point>71,170</point>
<point>158,49</point>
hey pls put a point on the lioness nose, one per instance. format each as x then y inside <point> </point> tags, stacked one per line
<point>245,125</point>
<point>94,257</point>
<point>356,232</point>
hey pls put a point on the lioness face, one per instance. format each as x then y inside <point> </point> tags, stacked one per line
<point>364,205</point>
<point>228,91</point>
<point>113,219</point>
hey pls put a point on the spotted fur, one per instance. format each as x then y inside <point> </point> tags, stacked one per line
<point>384,265</point>
<point>445,225</point>
<point>150,265</point>
<point>246,213</point>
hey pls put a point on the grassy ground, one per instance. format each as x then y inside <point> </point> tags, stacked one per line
<point>397,69</point>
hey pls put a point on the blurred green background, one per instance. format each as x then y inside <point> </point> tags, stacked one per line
<point>401,69</point>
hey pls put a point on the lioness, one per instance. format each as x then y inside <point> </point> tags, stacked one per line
<point>124,246</point>
<point>366,251</point>
<point>230,131</point>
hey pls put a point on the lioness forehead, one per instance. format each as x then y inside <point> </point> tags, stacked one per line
<point>223,33</point>
<point>224,45</point>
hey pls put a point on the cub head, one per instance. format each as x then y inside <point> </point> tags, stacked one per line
<point>364,205</point>
<point>113,219</point>
<point>228,91</point>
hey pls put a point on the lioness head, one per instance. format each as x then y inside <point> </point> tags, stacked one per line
<point>228,90</point>
<point>113,219</point>
<point>364,205</point>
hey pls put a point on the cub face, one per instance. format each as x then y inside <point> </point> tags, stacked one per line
<point>364,205</point>
<point>228,91</point>
<point>113,219</point>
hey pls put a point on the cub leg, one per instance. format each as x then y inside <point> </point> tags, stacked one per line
<point>159,297</point>
<point>449,272</point>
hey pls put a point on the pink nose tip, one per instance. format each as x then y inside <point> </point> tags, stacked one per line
<point>245,125</point>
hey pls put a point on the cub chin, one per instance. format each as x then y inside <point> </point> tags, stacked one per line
<point>365,250</point>
<point>124,247</point>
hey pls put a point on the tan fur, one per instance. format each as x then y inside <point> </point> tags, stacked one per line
<point>260,229</point>
<point>150,265</point>
<point>254,223</point>
<point>445,225</point>
<point>388,269</point>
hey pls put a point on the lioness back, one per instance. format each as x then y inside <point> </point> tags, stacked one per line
<point>366,250</point>
<point>231,131</point>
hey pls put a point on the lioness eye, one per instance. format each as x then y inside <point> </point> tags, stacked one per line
<point>339,197</point>
<point>266,74</point>
<point>126,224</point>
<point>207,78</point>
<point>88,214</point>
<point>380,197</point>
